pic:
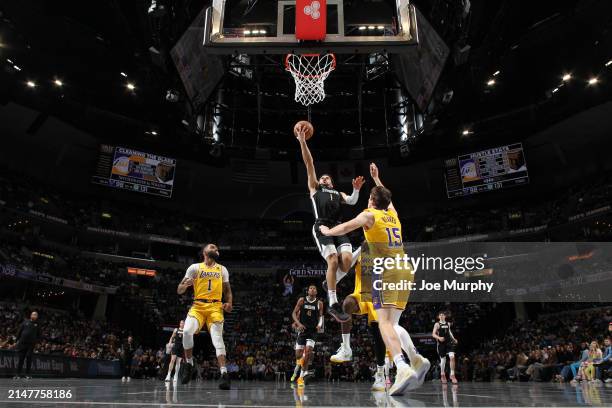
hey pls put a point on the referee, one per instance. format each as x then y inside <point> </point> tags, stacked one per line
<point>28,335</point>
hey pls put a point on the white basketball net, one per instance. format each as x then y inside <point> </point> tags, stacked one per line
<point>310,72</point>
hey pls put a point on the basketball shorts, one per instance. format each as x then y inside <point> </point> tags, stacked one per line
<point>446,347</point>
<point>330,245</point>
<point>177,348</point>
<point>385,296</point>
<point>308,335</point>
<point>365,308</point>
<point>206,313</point>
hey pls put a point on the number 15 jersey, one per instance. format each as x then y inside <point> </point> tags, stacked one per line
<point>386,232</point>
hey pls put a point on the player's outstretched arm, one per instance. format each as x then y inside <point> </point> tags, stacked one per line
<point>365,219</point>
<point>354,197</point>
<point>376,178</point>
<point>308,161</point>
<point>187,279</point>
<point>185,283</point>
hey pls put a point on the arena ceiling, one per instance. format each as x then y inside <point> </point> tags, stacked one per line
<point>76,60</point>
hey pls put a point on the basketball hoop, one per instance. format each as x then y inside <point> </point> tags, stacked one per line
<point>310,72</point>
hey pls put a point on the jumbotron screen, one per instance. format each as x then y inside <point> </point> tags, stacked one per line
<point>487,170</point>
<point>133,170</point>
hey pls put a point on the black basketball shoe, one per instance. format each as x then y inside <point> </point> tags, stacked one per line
<point>186,372</point>
<point>309,376</point>
<point>225,382</point>
<point>337,313</point>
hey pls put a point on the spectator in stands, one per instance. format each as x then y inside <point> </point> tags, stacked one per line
<point>233,370</point>
<point>288,281</point>
<point>605,362</point>
<point>575,367</point>
<point>587,369</point>
<point>520,366</point>
<point>27,337</point>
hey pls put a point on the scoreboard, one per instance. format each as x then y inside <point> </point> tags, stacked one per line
<point>133,170</point>
<point>487,170</point>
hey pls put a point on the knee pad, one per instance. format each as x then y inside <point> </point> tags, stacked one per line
<point>216,335</point>
<point>451,354</point>
<point>310,343</point>
<point>189,329</point>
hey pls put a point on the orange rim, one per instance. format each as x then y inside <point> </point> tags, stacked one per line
<point>288,66</point>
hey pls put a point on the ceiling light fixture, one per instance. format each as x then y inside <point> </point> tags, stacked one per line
<point>31,84</point>
<point>593,81</point>
<point>567,77</point>
<point>58,82</point>
<point>496,73</point>
<point>130,86</point>
<point>491,82</point>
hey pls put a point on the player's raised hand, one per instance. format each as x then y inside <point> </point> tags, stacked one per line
<point>373,170</point>
<point>227,307</point>
<point>358,182</point>
<point>301,135</point>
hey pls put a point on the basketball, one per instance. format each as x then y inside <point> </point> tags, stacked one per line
<point>307,125</point>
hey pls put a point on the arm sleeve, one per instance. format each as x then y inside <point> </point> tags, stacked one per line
<point>192,271</point>
<point>225,274</point>
<point>353,198</point>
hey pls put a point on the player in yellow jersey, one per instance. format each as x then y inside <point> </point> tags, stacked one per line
<point>383,233</point>
<point>210,282</point>
<point>354,304</point>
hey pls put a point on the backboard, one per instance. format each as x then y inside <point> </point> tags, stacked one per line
<point>268,27</point>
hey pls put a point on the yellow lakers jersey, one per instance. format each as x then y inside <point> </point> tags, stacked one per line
<point>386,232</point>
<point>208,282</point>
